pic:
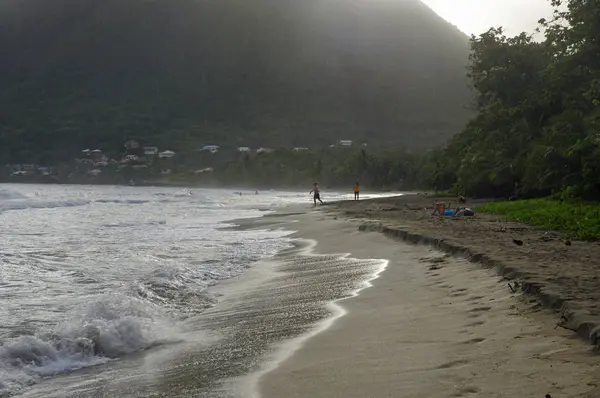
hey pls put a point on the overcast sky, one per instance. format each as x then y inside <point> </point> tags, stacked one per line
<point>477,16</point>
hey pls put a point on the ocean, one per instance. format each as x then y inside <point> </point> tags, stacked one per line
<point>144,291</point>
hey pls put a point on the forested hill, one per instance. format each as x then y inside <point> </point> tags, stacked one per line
<point>93,73</point>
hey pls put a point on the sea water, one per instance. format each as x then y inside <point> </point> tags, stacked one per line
<point>95,275</point>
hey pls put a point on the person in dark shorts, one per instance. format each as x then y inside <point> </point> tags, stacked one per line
<point>316,193</point>
<point>356,191</point>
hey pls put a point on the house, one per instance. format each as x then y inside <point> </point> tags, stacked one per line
<point>44,170</point>
<point>165,172</point>
<point>210,148</point>
<point>94,172</point>
<point>130,158</point>
<point>166,154</point>
<point>206,170</point>
<point>86,151</point>
<point>345,143</point>
<point>299,149</point>
<point>264,150</point>
<point>132,144</point>
<point>244,149</point>
<point>150,151</point>
<point>97,151</point>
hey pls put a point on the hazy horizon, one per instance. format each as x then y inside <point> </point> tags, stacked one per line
<point>476,16</point>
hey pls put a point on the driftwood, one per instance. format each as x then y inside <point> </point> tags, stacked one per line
<point>564,319</point>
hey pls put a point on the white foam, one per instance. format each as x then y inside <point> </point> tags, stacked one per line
<point>285,350</point>
<point>106,331</point>
<point>24,204</point>
<point>11,194</point>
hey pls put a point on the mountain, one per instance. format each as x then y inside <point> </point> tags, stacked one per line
<point>93,73</point>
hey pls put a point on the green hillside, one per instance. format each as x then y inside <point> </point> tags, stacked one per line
<point>91,73</point>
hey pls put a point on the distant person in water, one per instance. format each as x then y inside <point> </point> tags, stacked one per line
<point>316,193</point>
<point>356,191</point>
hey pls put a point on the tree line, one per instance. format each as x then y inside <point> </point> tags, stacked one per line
<point>536,131</point>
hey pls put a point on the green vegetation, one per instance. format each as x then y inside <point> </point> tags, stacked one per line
<point>580,220</point>
<point>332,167</point>
<point>181,74</point>
<point>537,130</point>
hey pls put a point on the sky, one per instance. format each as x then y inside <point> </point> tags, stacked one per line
<point>477,16</point>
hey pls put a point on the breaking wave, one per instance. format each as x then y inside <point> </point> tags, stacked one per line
<point>32,204</point>
<point>106,331</point>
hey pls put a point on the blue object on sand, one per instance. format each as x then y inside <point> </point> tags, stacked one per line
<point>449,212</point>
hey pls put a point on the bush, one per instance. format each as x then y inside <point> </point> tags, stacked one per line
<point>579,220</point>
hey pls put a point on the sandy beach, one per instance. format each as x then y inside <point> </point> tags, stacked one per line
<point>431,325</point>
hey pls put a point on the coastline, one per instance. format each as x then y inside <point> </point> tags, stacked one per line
<point>562,278</point>
<point>518,334</point>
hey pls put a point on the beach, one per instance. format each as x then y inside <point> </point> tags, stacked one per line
<point>436,322</point>
<point>170,297</point>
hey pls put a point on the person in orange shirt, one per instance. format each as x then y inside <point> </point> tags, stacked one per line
<point>356,191</point>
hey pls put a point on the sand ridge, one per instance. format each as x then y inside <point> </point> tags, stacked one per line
<point>432,326</point>
<point>565,278</point>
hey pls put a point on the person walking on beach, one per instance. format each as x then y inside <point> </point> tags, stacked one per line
<point>356,191</point>
<point>316,193</point>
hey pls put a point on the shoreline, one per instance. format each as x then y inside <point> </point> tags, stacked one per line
<point>562,278</point>
<point>303,361</point>
<point>286,349</point>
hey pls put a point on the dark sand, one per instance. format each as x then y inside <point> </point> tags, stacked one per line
<point>436,325</point>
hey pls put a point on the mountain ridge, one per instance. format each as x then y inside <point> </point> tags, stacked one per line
<point>87,73</point>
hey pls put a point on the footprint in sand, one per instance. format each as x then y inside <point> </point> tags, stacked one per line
<point>453,364</point>
<point>473,298</point>
<point>473,324</point>
<point>465,392</point>
<point>474,341</point>
<point>480,309</point>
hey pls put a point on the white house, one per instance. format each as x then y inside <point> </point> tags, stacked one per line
<point>132,144</point>
<point>150,151</point>
<point>206,170</point>
<point>300,148</point>
<point>166,154</point>
<point>244,149</point>
<point>264,150</point>
<point>210,148</point>
<point>345,143</point>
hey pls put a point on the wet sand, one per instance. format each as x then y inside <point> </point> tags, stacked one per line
<point>431,326</point>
